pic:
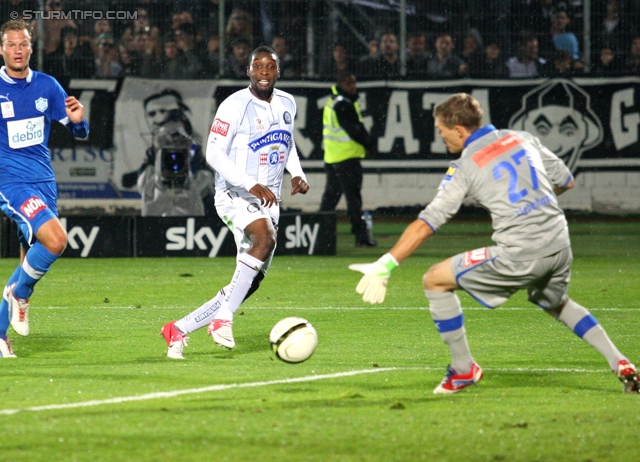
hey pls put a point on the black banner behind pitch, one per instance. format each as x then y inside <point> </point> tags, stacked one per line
<point>593,124</point>
<point>298,234</point>
<point>586,121</point>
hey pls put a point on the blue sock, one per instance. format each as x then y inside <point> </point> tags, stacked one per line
<point>4,306</point>
<point>35,265</point>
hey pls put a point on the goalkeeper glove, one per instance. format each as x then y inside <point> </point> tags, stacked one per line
<point>373,285</point>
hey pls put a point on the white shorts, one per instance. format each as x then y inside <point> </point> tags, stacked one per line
<point>489,276</point>
<point>238,211</point>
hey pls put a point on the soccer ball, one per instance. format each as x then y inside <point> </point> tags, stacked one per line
<point>293,340</point>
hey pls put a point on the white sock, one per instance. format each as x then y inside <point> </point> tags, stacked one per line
<point>202,316</point>
<point>247,268</point>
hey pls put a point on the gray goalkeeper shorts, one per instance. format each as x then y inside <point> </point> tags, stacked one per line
<point>490,277</point>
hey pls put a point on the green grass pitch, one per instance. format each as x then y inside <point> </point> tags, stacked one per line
<point>93,383</point>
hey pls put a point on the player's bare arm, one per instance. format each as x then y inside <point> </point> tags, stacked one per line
<point>412,237</point>
<point>298,185</point>
<point>74,109</point>
<point>561,189</point>
<point>266,196</point>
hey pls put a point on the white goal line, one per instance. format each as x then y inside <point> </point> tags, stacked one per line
<point>308,378</point>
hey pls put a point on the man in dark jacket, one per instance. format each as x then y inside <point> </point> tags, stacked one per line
<point>384,66</point>
<point>346,141</point>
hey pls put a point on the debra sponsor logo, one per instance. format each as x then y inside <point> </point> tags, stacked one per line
<point>29,135</point>
<point>535,205</point>
<point>26,132</point>
<point>32,206</point>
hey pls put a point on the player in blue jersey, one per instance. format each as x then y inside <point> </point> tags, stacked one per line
<point>29,101</point>
<point>517,180</point>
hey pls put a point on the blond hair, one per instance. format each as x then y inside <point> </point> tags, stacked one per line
<point>460,109</point>
<point>17,25</point>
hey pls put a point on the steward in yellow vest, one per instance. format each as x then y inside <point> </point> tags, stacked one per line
<point>346,140</point>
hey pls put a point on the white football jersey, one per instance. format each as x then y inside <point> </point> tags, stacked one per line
<point>251,141</point>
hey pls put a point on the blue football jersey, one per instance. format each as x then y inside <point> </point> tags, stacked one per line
<point>27,107</point>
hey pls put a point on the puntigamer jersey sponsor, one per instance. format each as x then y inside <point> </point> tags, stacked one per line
<point>27,107</point>
<point>273,137</point>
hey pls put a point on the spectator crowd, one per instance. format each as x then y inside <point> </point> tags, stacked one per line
<point>541,43</point>
<point>182,40</point>
<point>166,40</point>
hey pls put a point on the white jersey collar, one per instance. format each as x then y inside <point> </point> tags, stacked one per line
<point>4,76</point>
<point>261,100</point>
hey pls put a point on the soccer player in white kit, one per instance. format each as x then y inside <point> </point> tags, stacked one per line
<point>250,145</point>
<point>517,180</point>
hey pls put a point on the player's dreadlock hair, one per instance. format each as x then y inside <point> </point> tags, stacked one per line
<point>460,109</point>
<point>17,25</point>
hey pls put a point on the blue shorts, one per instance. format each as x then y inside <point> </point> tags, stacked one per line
<point>30,205</point>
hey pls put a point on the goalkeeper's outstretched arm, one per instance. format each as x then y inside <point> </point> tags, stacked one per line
<point>413,236</point>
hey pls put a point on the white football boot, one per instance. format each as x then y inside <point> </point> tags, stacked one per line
<point>220,331</point>
<point>18,312</point>
<point>5,348</point>
<point>176,340</point>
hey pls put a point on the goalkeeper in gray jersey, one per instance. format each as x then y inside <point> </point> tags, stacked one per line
<point>517,180</point>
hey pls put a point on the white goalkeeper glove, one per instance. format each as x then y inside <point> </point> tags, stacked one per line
<point>373,285</point>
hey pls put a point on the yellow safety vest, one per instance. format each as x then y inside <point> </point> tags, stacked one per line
<point>337,144</point>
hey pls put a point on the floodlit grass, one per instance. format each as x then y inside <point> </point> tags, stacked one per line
<point>92,382</point>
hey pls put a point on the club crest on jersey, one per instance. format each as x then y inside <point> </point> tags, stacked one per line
<point>32,206</point>
<point>272,158</point>
<point>287,117</point>
<point>220,127</point>
<point>42,104</point>
<point>473,257</point>
<point>450,172</point>
<point>448,176</point>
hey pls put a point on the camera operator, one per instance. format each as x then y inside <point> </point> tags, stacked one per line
<point>174,180</point>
